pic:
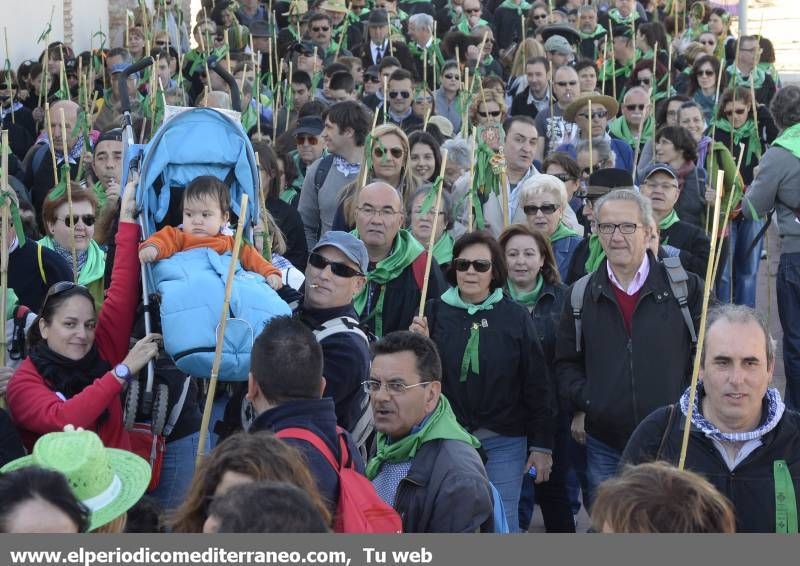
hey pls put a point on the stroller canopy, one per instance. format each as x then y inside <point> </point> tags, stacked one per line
<point>200,141</point>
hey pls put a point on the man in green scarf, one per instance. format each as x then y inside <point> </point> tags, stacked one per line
<point>618,66</point>
<point>395,278</point>
<point>635,126</point>
<point>739,74</point>
<point>426,466</point>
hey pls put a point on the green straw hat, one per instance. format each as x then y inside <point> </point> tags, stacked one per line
<point>107,480</point>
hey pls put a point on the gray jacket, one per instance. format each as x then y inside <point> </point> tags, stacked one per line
<point>776,186</point>
<point>317,207</point>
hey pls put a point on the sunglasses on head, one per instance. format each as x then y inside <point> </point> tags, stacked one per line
<point>705,73</point>
<point>403,93</point>
<point>64,287</point>
<point>337,268</point>
<point>395,152</point>
<point>563,177</point>
<point>88,219</point>
<point>492,113</point>
<point>547,209</point>
<point>319,29</point>
<point>479,265</point>
<point>632,107</point>
<point>303,139</point>
<point>737,111</point>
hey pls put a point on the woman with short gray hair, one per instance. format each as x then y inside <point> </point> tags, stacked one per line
<point>421,224</point>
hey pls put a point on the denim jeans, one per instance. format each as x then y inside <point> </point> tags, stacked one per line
<point>601,463</point>
<point>177,471</point>
<point>552,495</point>
<point>788,286</point>
<point>744,265</point>
<point>506,457</point>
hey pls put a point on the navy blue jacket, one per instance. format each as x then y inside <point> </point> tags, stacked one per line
<point>319,417</point>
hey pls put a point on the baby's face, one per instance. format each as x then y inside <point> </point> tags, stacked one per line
<point>203,216</point>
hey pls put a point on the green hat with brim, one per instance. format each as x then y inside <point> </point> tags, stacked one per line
<point>107,480</point>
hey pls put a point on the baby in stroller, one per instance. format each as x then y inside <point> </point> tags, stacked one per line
<point>206,202</point>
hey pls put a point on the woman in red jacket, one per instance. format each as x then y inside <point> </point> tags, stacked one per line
<point>79,362</point>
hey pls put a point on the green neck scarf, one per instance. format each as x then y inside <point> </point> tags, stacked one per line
<point>596,254</point>
<point>463,26</point>
<point>404,251</point>
<point>441,424</point>
<point>288,195</point>
<point>443,249</point>
<point>471,360</point>
<point>11,303</point>
<point>562,231</point>
<point>599,30</point>
<point>528,299</point>
<point>668,220</point>
<point>759,76</point>
<point>95,265</point>
<point>790,140</point>
<point>618,19</point>
<point>511,5</point>
<point>747,134</point>
<point>613,68</point>
<point>619,129</point>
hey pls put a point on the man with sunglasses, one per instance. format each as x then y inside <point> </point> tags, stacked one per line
<point>472,17</point>
<point>309,144</point>
<point>334,275</point>
<point>624,347</point>
<point>636,119</point>
<point>445,98</point>
<point>748,54</point>
<point>391,297</point>
<point>427,466</point>
<point>320,31</point>
<point>401,91</point>
<point>555,130</point>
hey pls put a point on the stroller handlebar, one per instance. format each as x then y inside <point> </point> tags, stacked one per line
<point>124,95</point>
<point>236,98</point>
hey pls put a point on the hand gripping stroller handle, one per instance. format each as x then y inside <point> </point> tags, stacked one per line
<point>124,95</point>
<point>236,97</point>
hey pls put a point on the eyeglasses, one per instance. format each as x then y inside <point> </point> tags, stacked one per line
<point>705,73</point>
<point>563,177</point>
<point>372,79</point>
<point>540,16</point>
<point>608,228</point>
<point>479,265</point>
<point>88,219</point>
<point>369,211</point>
<point>564,84</point>
<point>472,11</point>
<point>492,113</point>
<point>632,107</point>
<point>403,94</point>
<point>645,81</point>
<point>423,100</point>
<point>737,111</point>
<point>418,212</point>
<point>337,268</point>
<point>547,209</point>
<point>708,42</point>
<point>319,29</point>
<point>395,152</point>
<point>310,140</point>
<point>599,115</point>
<point>12,86</point>
<point>662,186</point>
<point>161,43</point>
<point>392,387</point>
<point>452,77</point>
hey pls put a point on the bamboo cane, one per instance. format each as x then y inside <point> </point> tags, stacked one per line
<point>633,38</point>
<point>258,99</point>
<point>465,111</point>
<point>262,208</point>
<point>49,123</point>
<point>591,135</point>
<point>613,63</point>
<point>385,98</point>
<point>754,103</point>
<point>4,226</point>
<point>427,119</point>
<point>669,70</point>
<point>470,210</point>
<point>726,218</point>
<point>69,198</point>
<point>432,240</point>
<point>702,333</point>
<point>505,189</point>
<point>212,383</point>
<point>645,115</point>
<point>605,53</point>
<point>425,67</point>
<point>13,119</point>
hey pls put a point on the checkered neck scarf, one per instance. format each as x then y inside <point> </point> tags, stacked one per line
<point>774,411</point>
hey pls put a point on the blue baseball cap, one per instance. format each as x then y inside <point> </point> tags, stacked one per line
<point>349,245</point>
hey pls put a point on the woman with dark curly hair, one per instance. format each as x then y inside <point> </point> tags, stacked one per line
<point>703,84</point>
<point>676,147</point>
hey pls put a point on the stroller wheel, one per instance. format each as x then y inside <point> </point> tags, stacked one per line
<point>131,404</point>
<point>160,408</point>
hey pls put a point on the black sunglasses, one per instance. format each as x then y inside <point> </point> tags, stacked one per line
<point>64,287</point>
<point>88,219</point>
<point>480,265</point>
<point>319,29</point>
<point>337,268</point>
<point>372,79</point>
<point>632,107</point>
<point>403,93</point>
<point>396,152</point>
<point>705,73</point>
<point>492,113</point>
<point>547,209</point>
<point>563,177</point>
<point>737,111</point>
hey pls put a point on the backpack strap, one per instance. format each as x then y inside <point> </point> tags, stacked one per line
<point>785,501</point>
<point>663,443</point>
<point>576,300</point>
<point>321,173</point>
<point>418,268</point>
<point>41,263</point>
<point>678,277</point>
<point>314,440</point>
<point>337,325</point>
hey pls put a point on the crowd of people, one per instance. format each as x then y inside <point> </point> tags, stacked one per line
<point>487,232</point>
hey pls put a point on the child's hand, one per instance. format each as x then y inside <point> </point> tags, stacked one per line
<point>275,281</point>
<point>148,254</point>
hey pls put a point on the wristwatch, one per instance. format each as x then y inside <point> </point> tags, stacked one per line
<point>123,372</point>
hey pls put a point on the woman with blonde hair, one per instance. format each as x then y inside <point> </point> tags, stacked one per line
<point>488,108</point>
<point>543,200</point>
<point>243,458</point>
<point>387,158</point>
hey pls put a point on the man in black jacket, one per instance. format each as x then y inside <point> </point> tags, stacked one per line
<point>633,354</point>
<point>335,273</point>
<point>678,238</point>
<point>396,273</point>
<point>427,466</point>
<point>742,438</point>
<point>285,387</point>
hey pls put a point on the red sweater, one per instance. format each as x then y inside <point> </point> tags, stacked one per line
<point>37,410</point>
<point>627,304</point>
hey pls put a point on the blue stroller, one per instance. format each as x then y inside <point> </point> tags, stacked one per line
<point>190,286</point>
